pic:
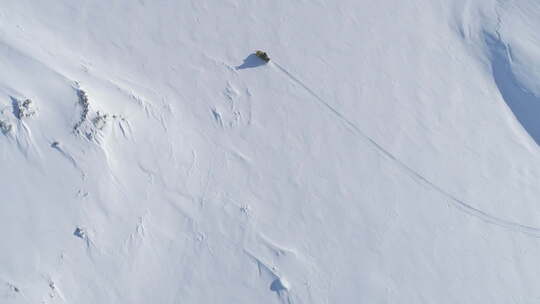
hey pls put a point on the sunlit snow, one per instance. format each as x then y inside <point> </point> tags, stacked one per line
<point>387,153</point>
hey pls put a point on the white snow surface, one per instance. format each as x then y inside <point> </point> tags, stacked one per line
<point>388,152</point>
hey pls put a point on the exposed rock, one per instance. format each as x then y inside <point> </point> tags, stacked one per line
<point>22,108</point>
<point>5,127</point>
<point>79,232</point>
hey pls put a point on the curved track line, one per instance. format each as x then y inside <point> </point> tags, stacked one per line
<point>454,201</point>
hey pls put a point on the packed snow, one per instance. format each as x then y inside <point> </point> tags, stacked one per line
<point>387,153</point>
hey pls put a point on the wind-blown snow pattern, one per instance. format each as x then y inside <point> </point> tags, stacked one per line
<point>387,153</point>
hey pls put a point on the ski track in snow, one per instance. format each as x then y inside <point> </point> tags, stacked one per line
<point>454,201</point>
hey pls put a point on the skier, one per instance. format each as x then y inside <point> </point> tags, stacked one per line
<point>262,55</point>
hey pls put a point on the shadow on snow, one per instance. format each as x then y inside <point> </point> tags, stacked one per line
<point>251,61</point>
<point>524,104</point>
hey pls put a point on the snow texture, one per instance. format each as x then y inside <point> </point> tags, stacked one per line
<point>387,153</point>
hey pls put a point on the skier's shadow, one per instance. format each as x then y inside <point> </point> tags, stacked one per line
<point>251,61</point>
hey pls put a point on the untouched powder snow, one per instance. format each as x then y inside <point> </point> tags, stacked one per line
<point>387,153</point>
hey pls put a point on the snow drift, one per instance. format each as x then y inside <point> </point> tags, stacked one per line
<point>388,152</point>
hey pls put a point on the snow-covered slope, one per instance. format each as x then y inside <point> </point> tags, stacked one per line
<point>388,153</point>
